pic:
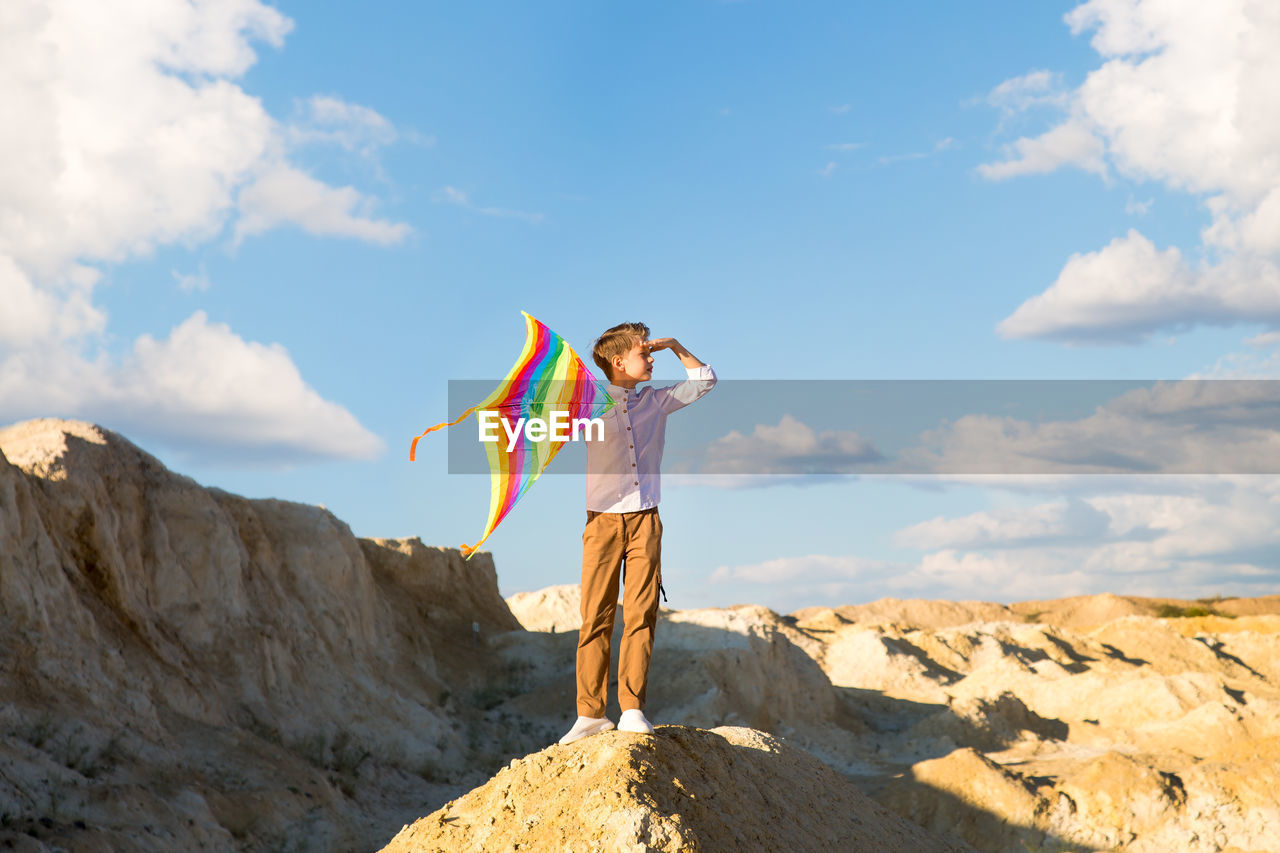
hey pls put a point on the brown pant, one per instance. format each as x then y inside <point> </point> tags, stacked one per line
<point>610,540</point>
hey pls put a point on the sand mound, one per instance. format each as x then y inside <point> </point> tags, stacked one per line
<point>728,789</point>
<point>919,613</point>
<point>555,608</point>
<point>1082,611</point>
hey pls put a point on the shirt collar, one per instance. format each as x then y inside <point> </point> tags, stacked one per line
<point>619,392</point>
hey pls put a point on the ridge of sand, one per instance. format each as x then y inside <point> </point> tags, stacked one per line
<point>720,791</point>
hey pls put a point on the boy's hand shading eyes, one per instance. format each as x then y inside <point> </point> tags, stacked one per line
<point>687,358</point>
<point>660,343</point>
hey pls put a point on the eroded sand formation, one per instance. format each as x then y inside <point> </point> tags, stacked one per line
<point>186,669</point>
<point>1079,724</point>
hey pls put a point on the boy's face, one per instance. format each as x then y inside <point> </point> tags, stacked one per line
<point>637,365</point>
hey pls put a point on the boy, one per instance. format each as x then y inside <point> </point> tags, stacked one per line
<point>623,535</point>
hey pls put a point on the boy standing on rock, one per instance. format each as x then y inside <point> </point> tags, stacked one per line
<point>623,536</point>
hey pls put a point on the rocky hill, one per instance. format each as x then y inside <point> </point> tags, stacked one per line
<point>182,668</point>
<point>185,669</point>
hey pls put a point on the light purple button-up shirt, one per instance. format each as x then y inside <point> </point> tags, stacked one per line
<point>623,470</point>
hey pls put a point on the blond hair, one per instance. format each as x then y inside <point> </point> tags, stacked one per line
<point>617,341</point>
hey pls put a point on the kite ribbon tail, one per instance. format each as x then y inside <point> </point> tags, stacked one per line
<point>413,445</point>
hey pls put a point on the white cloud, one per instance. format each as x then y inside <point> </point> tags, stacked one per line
<point>1129,289</point>
<point>207,383</point>
<point>945,144</point>
<point>1070,144</point>
<point>193,282</point>
<point>788,583</point>
<point>1138,208</point>
<point>810,568</point>
<point>1036,88</point>
<point>286,195</point>
<point>1186,96</point>
<point>107,154</point>
<point>60,311</point>
<point>203,390</point>
<point>453,195</point>
<point>1260,361</point>
<point>828,170</point>
<point>1211,535</point>
<point>1164,429</point>
<point>1166,535</point>
<point>328,111</point>
<point>1064,520</point>
<point>1209,539</point>
<point>1265,339</point>
<point>792,448</point>
<point>1111,293</point>
<point>1179,427</point>
<point>1005,576</point>
<point>125,129</point>
<point>331,120</point>
<point>1257,230</point>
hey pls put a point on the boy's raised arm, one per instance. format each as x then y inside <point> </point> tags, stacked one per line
<point>701,377</point>
<point>687,358</point>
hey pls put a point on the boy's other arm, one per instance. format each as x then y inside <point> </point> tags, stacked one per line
<point>701,377</point>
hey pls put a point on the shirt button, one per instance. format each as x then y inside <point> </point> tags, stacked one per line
<point>637,482</point>
<point>633,464</point>
<point>628,427</point>
<point>632,446</point>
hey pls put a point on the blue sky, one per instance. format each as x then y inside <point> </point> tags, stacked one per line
<point>259,240</point>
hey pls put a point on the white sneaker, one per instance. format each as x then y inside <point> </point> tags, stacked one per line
<point>634,721</point>
<point>587,726</point>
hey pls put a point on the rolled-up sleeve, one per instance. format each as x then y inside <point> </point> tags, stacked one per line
<point>672,397</point>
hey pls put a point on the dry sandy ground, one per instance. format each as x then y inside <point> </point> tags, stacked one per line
<point>681,789</point>
<point>1088,723</point>
<point>181,668</point>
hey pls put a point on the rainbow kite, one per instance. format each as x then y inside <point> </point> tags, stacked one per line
<point>548,378</point>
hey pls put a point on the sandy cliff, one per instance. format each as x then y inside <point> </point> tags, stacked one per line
<point>187,669</point>
<point>181,668</point>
